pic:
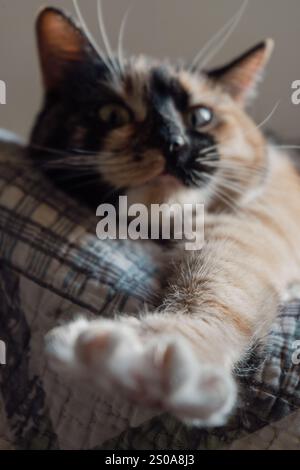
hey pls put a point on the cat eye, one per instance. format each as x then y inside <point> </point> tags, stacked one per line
<point>200,117</point>
<point>114,115</point>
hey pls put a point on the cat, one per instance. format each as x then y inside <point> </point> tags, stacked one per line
<point>162,133</point>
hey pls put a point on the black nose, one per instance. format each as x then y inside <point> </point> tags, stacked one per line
<point>177,143</point>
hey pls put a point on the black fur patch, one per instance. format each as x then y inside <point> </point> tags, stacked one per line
<point>163,85</point>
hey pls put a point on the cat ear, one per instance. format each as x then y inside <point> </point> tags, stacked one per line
<point>241,76</point>
<point>60,43</point>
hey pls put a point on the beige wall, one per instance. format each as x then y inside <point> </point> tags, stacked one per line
<point>174,28</point>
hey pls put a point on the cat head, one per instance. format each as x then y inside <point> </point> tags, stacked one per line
<point>146,128</point>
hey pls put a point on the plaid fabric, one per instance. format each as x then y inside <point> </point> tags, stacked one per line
<point>53,267</point>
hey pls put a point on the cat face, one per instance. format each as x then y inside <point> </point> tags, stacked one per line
<point>142,127</point>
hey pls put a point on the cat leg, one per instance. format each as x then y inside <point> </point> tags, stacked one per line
<point>180,358</point>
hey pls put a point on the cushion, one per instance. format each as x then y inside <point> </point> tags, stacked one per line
<point>52,268</point>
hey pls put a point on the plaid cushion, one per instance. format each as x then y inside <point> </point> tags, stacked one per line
<point>52,267</point>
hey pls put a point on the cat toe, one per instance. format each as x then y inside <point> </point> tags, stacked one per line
<point>60,346</point>
<point>112,352</point>
<point>206,399</point>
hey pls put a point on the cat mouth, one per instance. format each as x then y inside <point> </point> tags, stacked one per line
<point>170,178</point>
<point>166,178</point>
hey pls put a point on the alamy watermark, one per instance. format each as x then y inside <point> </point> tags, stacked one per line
<point>2,353</point>
<point>296,353</point>
<point>2,92</point>
<point>157,222</point>
<point>296,92</point>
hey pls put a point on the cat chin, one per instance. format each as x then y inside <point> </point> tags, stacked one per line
<point>167,180</point>
<point>164,189</point>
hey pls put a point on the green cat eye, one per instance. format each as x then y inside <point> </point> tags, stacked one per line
<point>114,115</point>
<point>200,117</point>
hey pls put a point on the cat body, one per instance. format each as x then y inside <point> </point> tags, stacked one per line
<point>172,134</point>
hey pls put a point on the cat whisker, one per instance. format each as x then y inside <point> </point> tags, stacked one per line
<point>73,159</point>
<point>235,187</point>
<point>233,179</point>
<point>59,151</point>
<point>227,183</point>
<point>105,38</point>
<point>207,157</point>
<point>83,152</point>
<point>221,162</point>
<point>227,30</point>
<point>208,149</point>
<point>74,176</point>
<point>121,37</point>
<point>86,182</point>
<point>210,161</point>
<point>227,200</point>
<point>240,169</point>
<point>195,176</point>
<point>77,166</point>
<point>216,191</point>
<point>239,178</point>
<point>269,116</point>
<point>91,38</point>
<point>284,147</point>
<point>85,28</point>
<point>238,188</point>
<point>221,44</point>
<point>223,145</point>
<point>234,165</point>
<point>240,174</point>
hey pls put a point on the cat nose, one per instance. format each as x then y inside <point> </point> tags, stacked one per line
<point>176,144</point>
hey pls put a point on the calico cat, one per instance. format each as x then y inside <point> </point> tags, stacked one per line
<point>162,133</point>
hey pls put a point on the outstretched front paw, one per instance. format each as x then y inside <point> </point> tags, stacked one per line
<point>155,369</point>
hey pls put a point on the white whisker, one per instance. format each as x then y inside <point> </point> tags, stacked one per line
<point>90,37</point>
<point>86,29</point>
<point>270,115</point>
<point>121,36</point>
<point>223,146</point>
<point>229,202</point>
<point>105,36</point>
<point>286,147</point>
<point>208,149</point>
<point>231,24</point>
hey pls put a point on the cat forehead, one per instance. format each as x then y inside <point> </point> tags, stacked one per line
<point>144,82</point>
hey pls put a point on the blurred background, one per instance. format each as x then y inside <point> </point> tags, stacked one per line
<point>160,28</point>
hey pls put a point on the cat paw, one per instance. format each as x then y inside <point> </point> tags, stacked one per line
<point>152,369</point>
